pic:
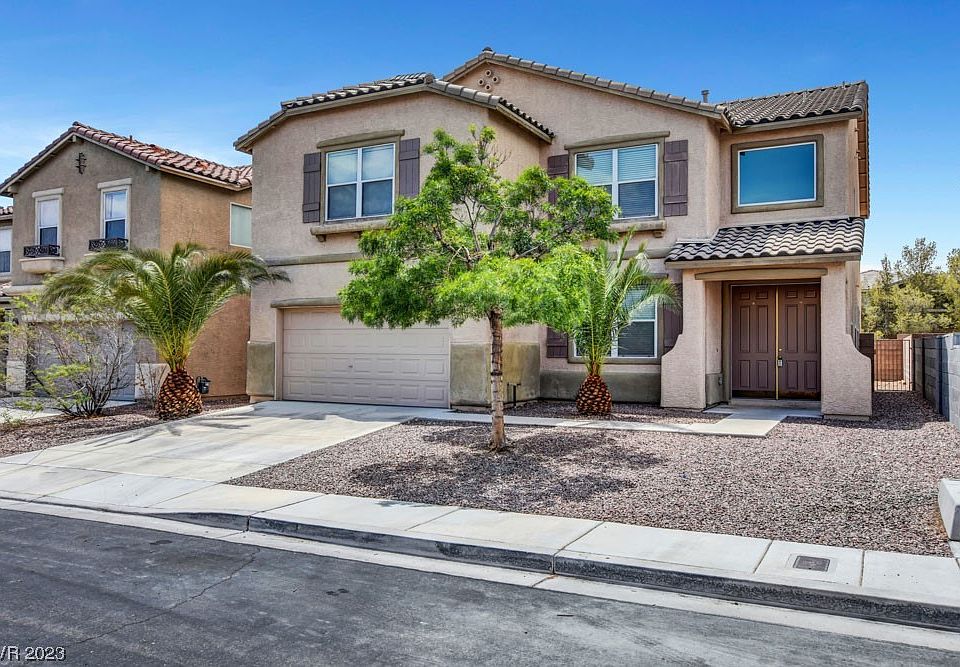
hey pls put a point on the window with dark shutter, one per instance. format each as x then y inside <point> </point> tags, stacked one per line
<point>557,166</point>
<point>409,168</point>
<point>673,321</point>
<point>557,344</point>
<point>312,187</point>
<point>675,178</point>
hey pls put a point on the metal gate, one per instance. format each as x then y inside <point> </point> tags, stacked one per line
<point>893,364</point>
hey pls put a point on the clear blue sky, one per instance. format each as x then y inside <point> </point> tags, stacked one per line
<point>195,76</point>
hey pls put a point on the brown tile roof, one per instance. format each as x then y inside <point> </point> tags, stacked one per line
<point>667,99</point>
<point>419,79</point>
<point>812,103</point>
<point>788,239</point>
<point>164,159</point>
<point>6,211</point>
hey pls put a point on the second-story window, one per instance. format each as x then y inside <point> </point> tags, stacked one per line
<point>6,243</point>
<point>115,213</point>
<point>629,174</point>
<point>48,221</point>
<point>360,182</point>
<point>241,225</point>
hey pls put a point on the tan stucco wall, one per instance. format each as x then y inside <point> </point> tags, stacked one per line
<point>195,212</point>
<point>80,203</point>
<point>844,372</point>
<point>839,174</point>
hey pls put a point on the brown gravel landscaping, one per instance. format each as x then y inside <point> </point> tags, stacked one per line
<point>627,412</point>
<point>45,432</point>
<point>858,484</point>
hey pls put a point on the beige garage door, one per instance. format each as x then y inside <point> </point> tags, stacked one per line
<point>325,358</point>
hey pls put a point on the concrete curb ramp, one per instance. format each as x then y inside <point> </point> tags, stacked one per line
<point>740,569</point>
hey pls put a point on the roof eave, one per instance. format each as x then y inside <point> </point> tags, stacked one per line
<point>797,122</point>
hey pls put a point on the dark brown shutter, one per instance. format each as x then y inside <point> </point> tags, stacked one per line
<point>556,344</point>
<point>312,186</point>
<point>673,321</point>
<point>557,166</point>
<point>675,178</point>
<point>409,176</point>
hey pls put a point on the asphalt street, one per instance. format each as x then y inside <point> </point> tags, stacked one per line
<point>119,595</point>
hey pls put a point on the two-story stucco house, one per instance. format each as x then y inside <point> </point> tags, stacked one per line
<point>754,208</point>
<point>91,189</point>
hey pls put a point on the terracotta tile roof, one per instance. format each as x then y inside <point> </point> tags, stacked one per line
<point>788,239</point>
<point>164,159</point>
<point>418,79</point>
<point>811,103</point>
<point>6,211</point>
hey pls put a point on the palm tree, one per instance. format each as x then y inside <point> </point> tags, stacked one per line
<point>615,288</point>
<point>168,297</point>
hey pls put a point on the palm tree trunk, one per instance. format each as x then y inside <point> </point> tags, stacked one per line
<point>178,396</point>
<point>594,397</point>
<point>498,435</point>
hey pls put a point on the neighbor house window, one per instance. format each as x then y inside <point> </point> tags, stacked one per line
<point>777,175</point>
<point>6,243</point>
<point>629,174</point>
<point>241,225</point>
<point>639,338</point>
<point>360,182</point>
<point>48,221</point>
<point>114,207</point>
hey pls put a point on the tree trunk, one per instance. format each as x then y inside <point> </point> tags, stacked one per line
<point>178,396</point>
<point>594,397</point>
<point>498,436</point>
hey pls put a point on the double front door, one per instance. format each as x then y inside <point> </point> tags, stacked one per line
<point>776,341</point>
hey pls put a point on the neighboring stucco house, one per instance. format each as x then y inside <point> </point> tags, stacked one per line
<point>754,208</point>
<point>91,189</point>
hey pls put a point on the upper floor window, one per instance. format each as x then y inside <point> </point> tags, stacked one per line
<point>241,225</point>
<point>6,243</point>
<point>360,182</point>
<point>778,175</point>
<point>48,220</point>
<point>114,207</point>
<point>629,174</point>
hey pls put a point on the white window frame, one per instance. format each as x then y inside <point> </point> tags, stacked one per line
<point>9,231</point>
<point>358,204</point>
<point>58,226</point>
<point>249,208</point>
<point>103,210</point>
<point>615,352</point>
<point>778,201</point>
<point>614,190</point>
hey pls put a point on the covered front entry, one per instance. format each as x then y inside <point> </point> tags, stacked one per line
<point>775,340</point>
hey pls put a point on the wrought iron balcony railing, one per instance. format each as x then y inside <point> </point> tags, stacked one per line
<point>112,244</point>
<point>47,250</point>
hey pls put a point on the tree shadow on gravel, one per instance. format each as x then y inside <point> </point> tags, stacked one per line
<point>542,467</point>
<point>892,411</point>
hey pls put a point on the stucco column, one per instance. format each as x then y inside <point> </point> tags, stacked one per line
<point>684,367</point>
<point>844,373</point>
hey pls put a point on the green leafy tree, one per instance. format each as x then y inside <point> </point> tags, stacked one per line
<point>613,288</point>
<point>475,246</point>
<point>916,312</point>
<point>951,288</point>
<point>880,309</point>
<point>168,297</point>
<point>917,266</point>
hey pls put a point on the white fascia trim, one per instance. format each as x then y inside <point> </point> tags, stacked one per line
<point>115,184</point>
<point>48,193</point>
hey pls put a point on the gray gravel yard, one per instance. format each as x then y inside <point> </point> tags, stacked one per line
<point>858,484</point>
<point>627,412</point>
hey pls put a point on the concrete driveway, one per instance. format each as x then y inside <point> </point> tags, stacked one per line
<point>149,466</point>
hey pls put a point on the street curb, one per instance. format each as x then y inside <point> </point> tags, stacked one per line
<point>641,574</point>
<point>820,600</point>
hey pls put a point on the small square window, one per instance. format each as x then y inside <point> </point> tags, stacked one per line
<point>360,182</point>
<point>629,174</point>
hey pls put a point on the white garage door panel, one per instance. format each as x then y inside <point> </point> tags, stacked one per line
<point>326,358</point>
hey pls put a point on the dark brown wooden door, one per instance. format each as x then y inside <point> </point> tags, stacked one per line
<point>776,341</point>
<point>754,343</point>
<point>799,341</point>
